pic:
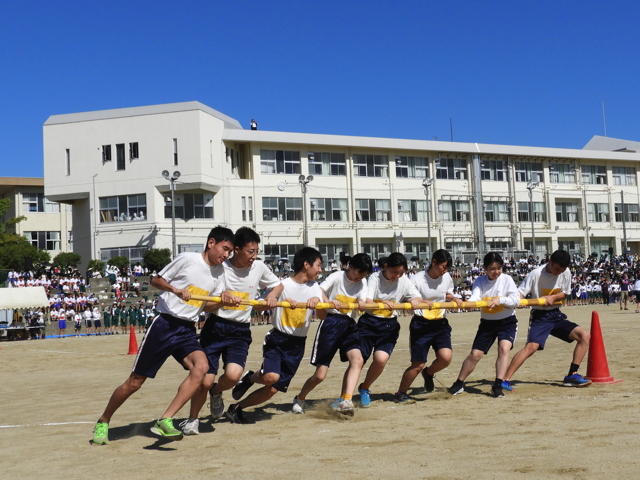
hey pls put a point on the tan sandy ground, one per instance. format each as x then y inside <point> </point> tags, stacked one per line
<point>541,430</point>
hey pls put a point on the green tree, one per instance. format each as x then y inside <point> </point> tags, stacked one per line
<point>66,260</point>
<point>155,259</point>
<point>96,265</point>
<point>18,254</point>
<point>121,262</point>
<point>8,224</point>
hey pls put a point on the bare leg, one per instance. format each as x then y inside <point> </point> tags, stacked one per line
<point>352,374</point>
<point>581,336</point>
<point>502,362</point>
<point>131,385</point>
<point>200,396</point>
<point>409,376</point>
<point>376,368</point>
<point>313,381</point>
<point>442,361</point>
<point>198,365</point>
<point>519,358</point>
<point>470,363</point>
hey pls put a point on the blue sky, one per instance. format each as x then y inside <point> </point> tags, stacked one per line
<point>523,73</point>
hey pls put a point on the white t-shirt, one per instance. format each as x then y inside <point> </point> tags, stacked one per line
<point>295,321</point>
<point>540,283</point>
<point>434,290</point>
<point>245,283</point>
<point>503,287</point>
<point>379,288</point>
<point>338,287</point>
<point>189,270</point>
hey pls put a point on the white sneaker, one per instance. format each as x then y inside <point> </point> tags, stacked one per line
<point>345,407</point>
<point>190,427</point>
<point>298,405</point>
<point>216,405</point>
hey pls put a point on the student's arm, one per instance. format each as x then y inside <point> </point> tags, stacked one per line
<point>312,302</point>
<point>511,296</point>
<point>161,284</point>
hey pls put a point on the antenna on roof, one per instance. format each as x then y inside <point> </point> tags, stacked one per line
<point>604,120</point>
<point>451,128</point>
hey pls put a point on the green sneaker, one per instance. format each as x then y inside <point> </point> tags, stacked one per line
<point>100,434</point>
<point>164,428</point>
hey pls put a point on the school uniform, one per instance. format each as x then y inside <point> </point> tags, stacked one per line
<point>339,330</point>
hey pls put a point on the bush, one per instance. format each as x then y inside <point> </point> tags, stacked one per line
<point>96,266</point>
<point>155,259</point>
<point>18,254</point>
<point>66,260</point>
<point>121,262</point>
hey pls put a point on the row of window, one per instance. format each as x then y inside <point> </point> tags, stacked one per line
<point>44,240</point>
<point>37,202</point>
<point>127,208</point>
<point>369,165</point>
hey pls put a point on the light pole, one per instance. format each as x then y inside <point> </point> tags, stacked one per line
<point>304,181</point>
<point>427,183</point>
<point>530,186</point>
<point>172,181</point>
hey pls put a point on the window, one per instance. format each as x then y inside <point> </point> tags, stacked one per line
<point>37,202</point>
<point>412,167</point>
<point>538,212</point>
<point>416,250</point>
<point>493,170</point>
<point>106,153</point>
<point>528,172</point>
<point>282,208</point>
<point>631,213</point>
<point>499,245</point>
<point>496,211</point>
<point>624,175</point>
<point>134,254</point>
<point>370,165</point>
<point>190,205</point>
<point>594,174</point>
<point>133,151</point>
<point>451,168</point>
<point>562,173</point>
<point>247,209</point>
<point>44,240</point>
<point>123,208</point>
<point>566,212</point>
<point>325,163</point>
<point>376,250</point>
<point>453,210</point>
<point>120,163</point>
<point>279,161</point>
<point>175,151</point>
<point>67,154</point>
<point>277,252</point>
<point>331,252</point>
<point>598,212</point>
<point>412,210</point>
<point>329,209</point>
<point>373,210</point>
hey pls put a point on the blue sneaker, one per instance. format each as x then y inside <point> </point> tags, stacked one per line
<point>576,380</point>
<point>507,385</point>
<point>365,397</point>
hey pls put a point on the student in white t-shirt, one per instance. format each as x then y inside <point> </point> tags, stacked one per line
<point>283,347</point>
<point>430,328</point>
<point>379,329</point>
<point>339,331</point>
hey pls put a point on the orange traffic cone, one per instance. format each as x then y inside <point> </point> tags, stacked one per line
<point>133,341</point>
<point>597,365</point>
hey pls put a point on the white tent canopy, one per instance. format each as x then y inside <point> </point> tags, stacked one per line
<point>25,297</point>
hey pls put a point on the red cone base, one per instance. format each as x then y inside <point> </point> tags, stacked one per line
<point>597,365</point>
<point>133,341</point>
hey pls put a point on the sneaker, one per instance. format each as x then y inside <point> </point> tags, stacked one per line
<point>429,386</point>
<point>100,434</point>
<point>234,414</point>
<point>402,397</point>
<point>365,397</point>
<point>496,391</point>
<point>190,427</point>
<point>243,385</point>
<point>457,388</point>
<point>164,428</point>
<point>298,405</point>
<point>216,405</point>
<point>576,380</point>
<point>507,385</point>
<point>345,407</point>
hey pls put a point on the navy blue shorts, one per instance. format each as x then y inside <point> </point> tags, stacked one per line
<point>166,336</point>
<point>425,334</point>
<point>543,323</point>
<point>377,334</point>
<point>230,339</point>
<point>489,330</point>
<point>336,332</point>
<point>282,355</point>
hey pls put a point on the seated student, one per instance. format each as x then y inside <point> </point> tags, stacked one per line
<point>552,282</point>
<point>339,331</point>
<point>497,321</point>
<point>283,346</point>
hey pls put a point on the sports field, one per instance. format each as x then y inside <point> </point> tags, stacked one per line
<point>53,390</point>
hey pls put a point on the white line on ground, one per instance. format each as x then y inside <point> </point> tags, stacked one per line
<point>52,424</point>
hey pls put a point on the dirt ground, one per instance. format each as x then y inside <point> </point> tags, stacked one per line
<point>53,390</point>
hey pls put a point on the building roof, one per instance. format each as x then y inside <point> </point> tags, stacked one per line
<point>263,136</point>
<point>230,123</point>
<point>611,144</point>
<point>21,182</point>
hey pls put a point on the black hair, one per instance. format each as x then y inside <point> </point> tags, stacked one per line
<point>492,257</point>
<point>245,235</point>
<point>361,262</point>
<point>219,234</point>
<point>441,256</point>
<point>305,254</point>
<point>396,259</point>
<point>561,257</point>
